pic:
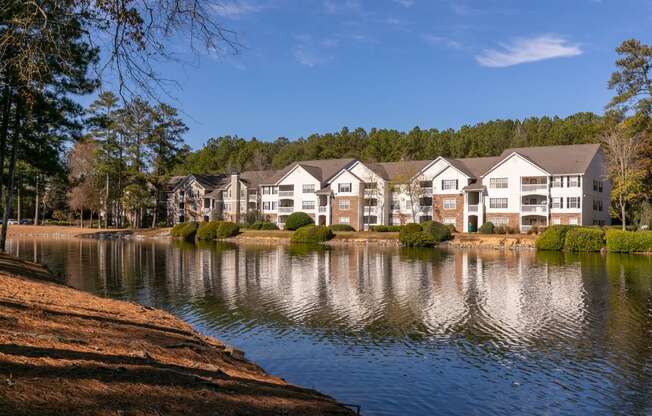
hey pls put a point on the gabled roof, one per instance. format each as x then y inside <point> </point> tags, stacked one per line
<point>322,170</point>
<point>172,183</point>
<point>474,167</point>
<point>210,181</point>
<point>563,159</point>
<point>254,178</point>
<point>398,171</point>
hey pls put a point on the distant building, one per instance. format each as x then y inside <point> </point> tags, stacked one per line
<point>521,188</point>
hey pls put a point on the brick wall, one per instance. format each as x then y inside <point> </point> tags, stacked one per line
<point>439,213</point>
<point>565,218</point>
<point>352,212</point>
<point>512,218</point>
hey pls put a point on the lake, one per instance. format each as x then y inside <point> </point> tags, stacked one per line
<point>400,331</point>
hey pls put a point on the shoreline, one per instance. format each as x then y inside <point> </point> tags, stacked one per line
<point>342,238</point>
<point>65,351</point>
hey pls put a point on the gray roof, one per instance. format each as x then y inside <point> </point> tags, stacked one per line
<point>323,170</point>
<point>398,171</point>
<point>563,159</point>
<point>254,178</point>
<point>210,181</point>
<point>474,167</point>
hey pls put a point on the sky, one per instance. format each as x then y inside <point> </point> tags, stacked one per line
<point>315,66</point>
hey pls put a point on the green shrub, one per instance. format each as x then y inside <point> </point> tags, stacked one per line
<point>487,228</point>
<point>451,228</point>
<point>312,234</point>
<point>584,239</point>
<point>553,238</point>
<point>438,231</point>
<point>417,239</point>
<point>297,220</point>
<point>227,229</point>
<point>386,228</point>
<point>341,227</point>
<point>186,230</point>
<point>263,225</point>
<point>619,241</point>
<point>207,230</point>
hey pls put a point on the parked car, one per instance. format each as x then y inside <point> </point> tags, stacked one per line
<point>26,221</point>
<point>12,221</point>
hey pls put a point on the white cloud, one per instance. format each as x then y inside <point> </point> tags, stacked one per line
<point>310,52</point>
<point>434,40</point>
<point>339,6</point>
<point>235,9</point>
<point>405,3</point>
<point>524,50</point>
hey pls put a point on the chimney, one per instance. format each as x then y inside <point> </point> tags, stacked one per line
<point>235,197</point>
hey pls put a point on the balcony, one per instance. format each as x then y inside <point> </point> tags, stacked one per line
<point>473,208</point>
<point>285,210</point>
<point>322,209</point>
<point>285,193</point>
<point>425,210</point>
<point>534,187</point>
<point>369,210</point>
<point>534,209</point>
<point>426,190</point>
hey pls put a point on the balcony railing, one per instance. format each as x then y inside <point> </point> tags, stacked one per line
<point>285,210</point>
<point>322,209</point>
<point>427,191</point>
<point>534,209</point>
<point>473,208</point>
<point>370,210</point>
<point>426,209</point>
<point>285,193</point>
<point>534,187</point>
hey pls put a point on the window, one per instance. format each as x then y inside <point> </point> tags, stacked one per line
<point>308,205</point>
<point>344,204</point>
<point>597,185</point>
<point>270,190</point>
<point>573,181</point>
<point>558,182</point>
<point>345,220</point>
<point>450,204</point>
<point>572,221</point>
<point>449,220</point>
<point>308,188</point>
<point>207,202</point>
<point>498,203</point>
<point>343,187</point>
<point>556,221</point>
<point>597,205</point>
<point>425,218</point>
<point>269,205</point>
<point>573,202</point>
<point>500,221</point>
<point>449,184</point>
<point>498,183</point>
<point>557,202</point>
<point>371,219</point>
<point>396,204</point>
<point>425,202</point>
<point>370,186</point>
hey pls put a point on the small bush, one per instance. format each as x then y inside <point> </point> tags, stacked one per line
<point>263,225</point>
<point>228,229</point>
<point>186,230</point>
<point>207,230</point>
<point>553,238</point>
<point>418,239</point>
<point>487,228</point>
<point>451,228</point>
<point>297,220</point>
<point>619,241</point>
<point>386,228</point>
<point>312,234</point>
<point>438,231</point>
<point>584,239</point>
<point>341,227</point>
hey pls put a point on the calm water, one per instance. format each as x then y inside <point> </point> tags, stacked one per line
<point>401,332</point>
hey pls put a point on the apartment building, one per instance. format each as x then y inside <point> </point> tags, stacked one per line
<point>521,188</point>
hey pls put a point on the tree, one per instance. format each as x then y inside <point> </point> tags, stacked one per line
<point>81,163</point>
<point>622,153</point>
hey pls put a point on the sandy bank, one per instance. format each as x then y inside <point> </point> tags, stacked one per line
<point>65,352</point>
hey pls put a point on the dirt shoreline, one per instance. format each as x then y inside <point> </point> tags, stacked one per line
<point>67,352</point>
<point>460,240</point>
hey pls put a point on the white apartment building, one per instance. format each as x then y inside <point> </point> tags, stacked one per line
<point>521,188</point>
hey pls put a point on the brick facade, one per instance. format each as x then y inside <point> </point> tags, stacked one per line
<point>352,212</point>
<point>512,217</point>
<point>439,213</point>
<point>565,217</point>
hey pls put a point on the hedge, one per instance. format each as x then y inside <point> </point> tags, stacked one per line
<point>487,228</point>
<point>584,239</point>
<point>553,238</point>
<point>412,235</point>
<point>263,225</point>
<point>386,228</point>
<point>312,234</point>
<point>297,220</point>
<point>228,229</point>
<point>438,231</point>
<point>186,230</point>
<point>341,227</point>
<point>619,241</point>
<point>207,230</point>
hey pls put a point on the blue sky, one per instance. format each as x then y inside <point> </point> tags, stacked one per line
<point>318,65</point>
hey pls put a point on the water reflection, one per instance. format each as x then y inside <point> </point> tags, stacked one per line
<point>401,331</point>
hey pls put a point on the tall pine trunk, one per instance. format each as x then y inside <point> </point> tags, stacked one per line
<point>9,196</point>
<point>36,206</point>
<point>4,129</point>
